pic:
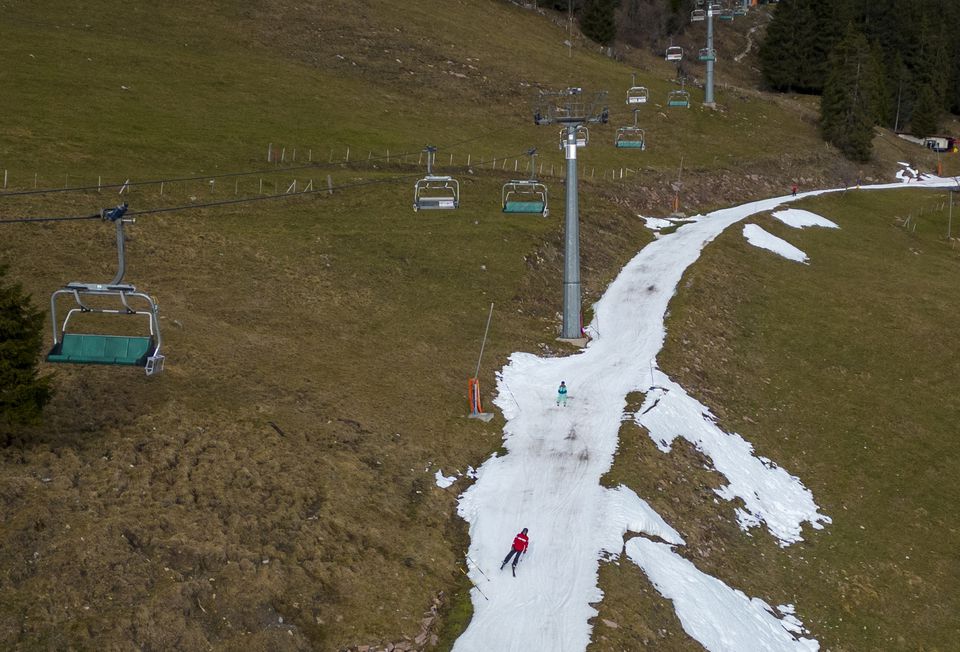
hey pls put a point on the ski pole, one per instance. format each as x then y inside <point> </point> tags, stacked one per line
<point>474,585</point>
<point>477,566</point>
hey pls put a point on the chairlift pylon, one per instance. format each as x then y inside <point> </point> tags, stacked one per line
<point>107,349</point>
<point>435,192</point>
<point>527,196</point>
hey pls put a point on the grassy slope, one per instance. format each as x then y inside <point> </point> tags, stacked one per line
<point>839,371</point>
<point>347,320</point>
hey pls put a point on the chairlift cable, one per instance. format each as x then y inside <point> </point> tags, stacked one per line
<point>67,218</point>
<point>224,202</point>
<point>225,175</point>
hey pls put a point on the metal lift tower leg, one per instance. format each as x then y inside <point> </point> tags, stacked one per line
<point>708,91</point>
<point>573,109</point>
<point>571,256</point>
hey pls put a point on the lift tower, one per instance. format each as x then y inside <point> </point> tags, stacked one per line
<point>708,100</point>
<point>572,109</point>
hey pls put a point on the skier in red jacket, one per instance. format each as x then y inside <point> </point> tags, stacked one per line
<point>520,543</point>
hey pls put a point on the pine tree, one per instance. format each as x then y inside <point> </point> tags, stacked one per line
<point>926,113</point>
<point>598,22</point>
<point>851,97</point>
<point>915,44</point>
<point>23,392</point>
<point>782,48</point>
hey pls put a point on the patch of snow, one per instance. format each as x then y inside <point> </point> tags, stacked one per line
<point>444,481</point>
<point>656,223</point>
<point>719,617</point>
<point>760,238</point>
<point>770,495</point>
<point>799,218</point>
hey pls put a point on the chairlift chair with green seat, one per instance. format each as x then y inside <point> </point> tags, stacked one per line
<point>107,348</point>
<point>526,196</point>
<point>707,54</point>
<point>678,99</point>
<point>100,348</point>
<point>631,136</point>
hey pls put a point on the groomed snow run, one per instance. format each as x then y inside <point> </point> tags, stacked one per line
<point>549,479</point>
<point>756,236</point>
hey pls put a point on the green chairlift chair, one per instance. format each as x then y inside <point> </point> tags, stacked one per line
<point>525,196</point>
<point>107,348</point>
<point>631,136</point>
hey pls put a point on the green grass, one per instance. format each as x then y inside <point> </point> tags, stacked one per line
<point>839,371</point>
<point>140,514</point>
<point>210,89</point>
<point>350,322</point>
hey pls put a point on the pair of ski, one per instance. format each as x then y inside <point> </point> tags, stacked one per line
<point>513,567</point>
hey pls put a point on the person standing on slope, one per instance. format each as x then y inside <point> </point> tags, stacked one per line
<point>562,394</point>
<point>520,543</point>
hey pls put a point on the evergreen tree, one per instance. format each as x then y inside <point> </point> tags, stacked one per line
<point>23,392</point>
<point>598,21</point>
<point>851,97</point>
<point>782,48</point>
<point>926,113</point>
<point>915,43</point>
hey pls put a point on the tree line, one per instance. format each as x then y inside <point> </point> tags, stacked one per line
<point>874,62</point>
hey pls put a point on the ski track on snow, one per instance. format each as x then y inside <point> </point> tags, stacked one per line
<point>549,480</point>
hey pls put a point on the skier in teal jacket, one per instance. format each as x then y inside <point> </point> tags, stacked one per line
<point>562,394</point>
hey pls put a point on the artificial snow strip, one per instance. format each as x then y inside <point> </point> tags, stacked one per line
<point>549,480</point>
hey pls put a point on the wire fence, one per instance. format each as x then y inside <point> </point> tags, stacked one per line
<point>271,181</point>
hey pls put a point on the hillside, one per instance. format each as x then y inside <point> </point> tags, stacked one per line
<point>274,489</point>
